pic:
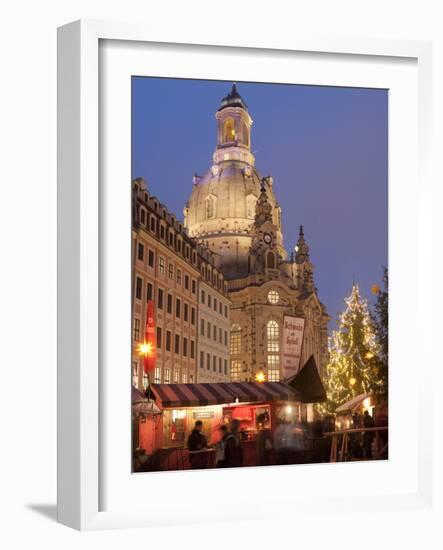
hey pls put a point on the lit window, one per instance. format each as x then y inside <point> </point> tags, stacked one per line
<point>235,370</point>
<point>273,336</point>
<point>228,130</point>
<point>170,271</point>
<point>273,297</point>
<point>135,373</point>
<point>161,265</point>
<point>176,377</point>
<point>235,339</point>
<point>167,376</point>
<point>145,380</point>
<point>273,368</point>
<point>184,378</point>
<point>157,375</point>
<point>226,156</point>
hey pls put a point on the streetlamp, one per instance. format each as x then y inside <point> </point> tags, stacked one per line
<point>260,376</point>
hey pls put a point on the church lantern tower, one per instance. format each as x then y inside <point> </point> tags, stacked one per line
<point>221,208</point>
<point>233,130</point>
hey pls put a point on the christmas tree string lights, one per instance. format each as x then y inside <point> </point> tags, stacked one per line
<point>353,367</point>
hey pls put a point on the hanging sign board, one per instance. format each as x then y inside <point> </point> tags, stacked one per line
<point>293,328</point>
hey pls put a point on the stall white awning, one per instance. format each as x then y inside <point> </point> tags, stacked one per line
<point>352,404</point>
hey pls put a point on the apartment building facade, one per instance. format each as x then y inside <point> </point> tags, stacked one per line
<point>168,269</point>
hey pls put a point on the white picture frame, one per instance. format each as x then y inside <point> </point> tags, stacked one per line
<point>81,211</point>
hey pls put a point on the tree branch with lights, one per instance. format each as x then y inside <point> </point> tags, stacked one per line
<point>354,364</point>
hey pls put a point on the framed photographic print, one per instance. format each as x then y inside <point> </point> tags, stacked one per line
<point>230,214</point>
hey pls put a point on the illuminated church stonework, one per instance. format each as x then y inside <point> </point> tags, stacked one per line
<point>234,211</point>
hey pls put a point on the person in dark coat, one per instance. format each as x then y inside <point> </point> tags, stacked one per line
<point>233,447</point>
<point>368,438</point>
<point>220,456</point>
<point>197,442</point>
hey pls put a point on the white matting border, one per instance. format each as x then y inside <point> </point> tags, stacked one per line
<point>79,456</point>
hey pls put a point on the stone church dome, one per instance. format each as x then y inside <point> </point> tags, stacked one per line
<point>221,207</point>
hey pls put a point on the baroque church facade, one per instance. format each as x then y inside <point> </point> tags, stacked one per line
<point>233,211</point>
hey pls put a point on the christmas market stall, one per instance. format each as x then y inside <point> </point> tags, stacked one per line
<point>145,415</point>
<point>350,414</point>
<point>258,406</point>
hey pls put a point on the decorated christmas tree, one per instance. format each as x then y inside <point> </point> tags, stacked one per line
<point>353,361</point>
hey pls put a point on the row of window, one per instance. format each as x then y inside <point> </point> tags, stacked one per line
<point>161,267</point>
<point>212,302</point>
<point>273,374</point>
<point>169,237</point>
<point>179,311</point>
<point>272,338</point>
<point>213,363</point>
<point>213,277</point>
<point>211,332</point>
<point>167,379</point>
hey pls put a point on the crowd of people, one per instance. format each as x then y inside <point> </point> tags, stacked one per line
<point>229,450</point>
<point>287,443</point>
<point>278,446</point>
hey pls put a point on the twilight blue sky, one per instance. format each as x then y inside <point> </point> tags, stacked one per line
<point>325,147</point>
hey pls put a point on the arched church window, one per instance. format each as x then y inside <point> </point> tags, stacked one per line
<point>228,130</point>
<point>235,339</point>
<point>273,336</point>
<point>210,207</point>
<point>273,297</point>
<point>270,260</point>
<point>273,348</point>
